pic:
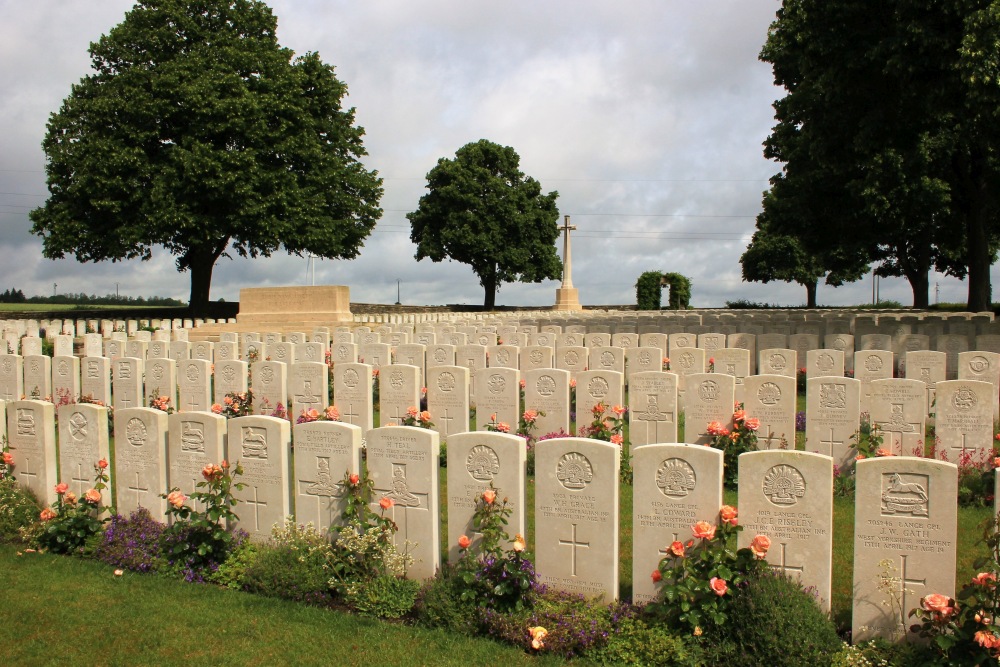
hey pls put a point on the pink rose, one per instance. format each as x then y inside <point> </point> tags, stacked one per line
<point>617,439</point>
<point>937,604</point>
<point>985,579</point>
<point>176,498</point>
<point>62,487</point>
<point>752,423</point>
<point>718,586</point>
<point>489,495</point>
<point>411,412</point>
<point>703,530</point>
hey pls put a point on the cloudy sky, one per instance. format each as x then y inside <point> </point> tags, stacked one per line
<point>646,117</point>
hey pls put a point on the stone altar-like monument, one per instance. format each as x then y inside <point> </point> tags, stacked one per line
<point>567,296</point>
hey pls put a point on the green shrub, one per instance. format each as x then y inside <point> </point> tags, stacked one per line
<point>18,509</point>
<point>439,604</point>
<point>773,621</point>
<point>293,566</point>
<point>383,597</point>
<point>648,290</point>
<point>232,572</point>
<point>636,642</point>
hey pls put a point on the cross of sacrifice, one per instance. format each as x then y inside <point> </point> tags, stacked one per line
<point>572,542</point>
<point>567,278</point>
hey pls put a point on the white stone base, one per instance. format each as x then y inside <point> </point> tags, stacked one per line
<point>567,298</point>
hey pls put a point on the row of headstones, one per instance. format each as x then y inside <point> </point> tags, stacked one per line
<point>906,508</point>
<point>104,327</point>
<point>834,403</point>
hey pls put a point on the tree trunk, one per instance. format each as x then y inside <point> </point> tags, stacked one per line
<point>490,288</point>
<point>811,288</point>
<point>200,261</point>
<point>980,290</point>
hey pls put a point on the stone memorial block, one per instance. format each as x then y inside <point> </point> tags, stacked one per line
<point>31,439</point>
<point>448,399</point>
<point>136,349</point>
<point>93,345</point>
<point>262,446</point>
<point>180,350</point>
<point>161,380</point>
<point>254,350</point>
<point>871,365</point>
<point>498,393</point>
<point>440,354</point>
<point>576,516</point>
<point>310,352</point>
<point>283,352</point>
<point>608,358</point>
<point>547,391</point>
<point>194,440</point>
<point>952,345</point>
<point>536,356</point>
<point>709,398</point>
<point>899,408</point>
<point>833,417</point>
<point>964,421</point>
<point>352,391</point>
<point>843,343</point>
<point>403,464</point>
<point>269,381</point>
<point>38,376</point>
<point>95,378</point>
<point>325,452</point>
<point>824,363</point>
<point>905,517</point>
<point>477,462</point>
<point>65,379</point>
<point>597,339</point>
<point>675,486</point>
<point>203,350</point>
<point>126,383</point>
<point>788,496</point>
<point>652,408</point>
<point>778,361</point>
<point>140,463</point>
<point>572,358</point>
<point>399,390</point>
<point>710,342</point>
<point>412,354</point>
<point>158,349</point>
<point>230,377</point>
<point>984,367</point>
<point>31,346</point>
<point>503,356</point>
<point>875,341</point>
<point>928,367</point>
<point>598,386</point>
<point>62,346</point>
<point>308,387</point>
<point>772,400</point>
<point>194,385</point>
<point>344,353</point>
<point>735,362</point>
<point>642,359</point>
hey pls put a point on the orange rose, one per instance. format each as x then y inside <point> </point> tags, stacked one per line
<point>986,639</point>
<point>985,579</point>
<point>718,586</point>
<point>102,464</point>
<point>677,548</point>
<point>537,633</point>
<point>739,415</point>
<point>8,458</point>
<point>210,471</point>
<point>518,545</point>
<point>728,514</point>
<point>760,545</point>
<point>92,496</point>
<point>882,452</point>
<point>333,414</point>
<point>752,423</point>
<point>703,530</point>
<point>464,542</point>
<point>354,479</point>
<point>489,495</point>
<point>386,503</point>
<point>411,412</point>
<point>657,577</point>
<point>216,408</point>
<point>617,439</point>
<point>62,487</point>
<point>425,416</point>
<point>176,498</point>
<point>493,417</point>
<point>69,498</point>
<point>619,410</point>
<point>47,514</point>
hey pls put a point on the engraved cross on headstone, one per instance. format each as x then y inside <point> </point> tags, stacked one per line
<point>903,590</point>
<point>256,504</point>
<point>138,490</point>
<point>960,448</point>
<point>783,563</point>
<point>572,542</point>
<point>403,499</point>
<point>831,442</point>
<point>27,472</point>
<point>84,482</point>
<point>351,414</point>
<point>447,419</point>
<point>666,550</point>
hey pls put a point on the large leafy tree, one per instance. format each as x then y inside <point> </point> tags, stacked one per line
<point>198,132</point>
<point>482,211</point>
<point>888,144</point>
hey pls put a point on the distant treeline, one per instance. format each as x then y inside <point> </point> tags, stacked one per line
<point>17,296</point>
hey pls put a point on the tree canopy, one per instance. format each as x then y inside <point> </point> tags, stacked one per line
<point>483,211</point>
<point>198,132</point>
<point>888,136</point>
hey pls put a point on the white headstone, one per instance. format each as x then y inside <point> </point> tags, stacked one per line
<point>262,446</point>
<point>324,452</point>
